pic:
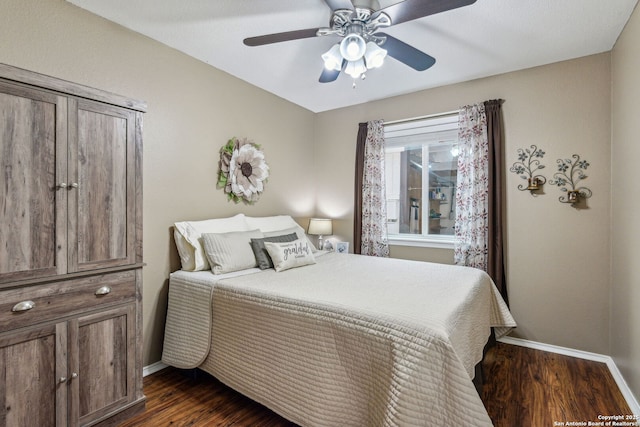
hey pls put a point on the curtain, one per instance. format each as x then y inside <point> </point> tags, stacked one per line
<point>357,210</point>
<point>472,207</point>
<point>370,212</point>
<point>495,253</point>
<point>479,235</point>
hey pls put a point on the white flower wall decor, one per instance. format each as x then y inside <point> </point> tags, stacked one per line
<point>243,170</point>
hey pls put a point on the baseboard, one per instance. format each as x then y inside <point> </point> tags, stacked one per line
<point>153,368</point>
<point>617,376</point>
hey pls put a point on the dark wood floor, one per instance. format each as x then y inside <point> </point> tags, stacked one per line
<point>534,388</point>
<point>524,388</point>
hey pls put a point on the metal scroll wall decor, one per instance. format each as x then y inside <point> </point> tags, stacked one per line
<point>570,173</point>
<point>567,178</point>
<point>526,167</point>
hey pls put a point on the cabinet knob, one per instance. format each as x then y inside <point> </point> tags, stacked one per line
<point>74,185</point>
<point>62,380</point>
<point>62,185</point>
<point>74,375</point>
<point>104,290</point>
<point>23,306</point>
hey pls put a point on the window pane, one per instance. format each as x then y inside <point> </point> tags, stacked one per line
<point>443,169</point>
<point>411,221</point>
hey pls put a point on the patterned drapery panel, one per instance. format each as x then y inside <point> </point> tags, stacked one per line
<point>471,235</point>
<point>374,201</point>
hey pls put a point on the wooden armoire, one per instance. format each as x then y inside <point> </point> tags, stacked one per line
<point>70,253</point>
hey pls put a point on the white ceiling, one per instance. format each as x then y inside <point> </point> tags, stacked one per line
<point>487,38</point>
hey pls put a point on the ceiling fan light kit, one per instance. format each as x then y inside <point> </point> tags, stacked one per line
<point>359,57</point>
<point>362,46</point>
<point>359,47</point>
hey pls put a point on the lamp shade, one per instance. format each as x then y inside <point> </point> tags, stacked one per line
<point>320,227</point>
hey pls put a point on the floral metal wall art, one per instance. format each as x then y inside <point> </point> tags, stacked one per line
<point>569,174</point>
<point>242,170</point>
<point>526,167</point>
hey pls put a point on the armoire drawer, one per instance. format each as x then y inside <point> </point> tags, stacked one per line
<point>40,303</point>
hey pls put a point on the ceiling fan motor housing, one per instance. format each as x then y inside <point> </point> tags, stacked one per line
<point>371,5</point>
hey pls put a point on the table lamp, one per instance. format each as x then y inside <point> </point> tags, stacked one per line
<point>320,227</point>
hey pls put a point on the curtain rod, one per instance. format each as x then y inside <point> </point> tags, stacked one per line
<point>415,119</point>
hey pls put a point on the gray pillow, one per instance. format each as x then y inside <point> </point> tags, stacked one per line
<point>262,256</point>
<point>231,251</point>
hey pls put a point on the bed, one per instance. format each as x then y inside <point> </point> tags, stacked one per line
<point>344,340</point>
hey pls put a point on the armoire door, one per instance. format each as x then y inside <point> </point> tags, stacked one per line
<point>33,377</point>
<point>33,188</point>
<point>102,347</point>
<point>101,176</point>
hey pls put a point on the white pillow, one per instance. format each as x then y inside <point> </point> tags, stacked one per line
<point>290,254</point>
<point>229,252</point>
<point>271,223</point>
<point>188,236</point>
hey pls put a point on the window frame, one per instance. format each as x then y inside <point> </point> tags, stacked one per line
<point>439,124</point>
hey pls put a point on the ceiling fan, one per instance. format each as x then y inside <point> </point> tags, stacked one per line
<point>363,46</point>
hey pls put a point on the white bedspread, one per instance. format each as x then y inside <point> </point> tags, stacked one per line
<point>351,340</point>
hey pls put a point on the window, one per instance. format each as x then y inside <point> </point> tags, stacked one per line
<point>421,168</point>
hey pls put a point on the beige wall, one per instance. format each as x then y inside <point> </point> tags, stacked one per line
<point>625,283</point>
<point>557,256</point>
<point>193,109</point>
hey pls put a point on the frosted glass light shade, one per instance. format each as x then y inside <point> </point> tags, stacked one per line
<point>352,47</point>
<point>355,68</point>
<point>332,58</point>
<point>374,55</point>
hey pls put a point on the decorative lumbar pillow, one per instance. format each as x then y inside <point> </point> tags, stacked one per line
<point>290,255</point>
<point>229,252</point>
<point>188,237</point>
<point>262,256</point>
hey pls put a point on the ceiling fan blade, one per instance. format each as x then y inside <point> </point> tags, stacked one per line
<point>328,76</point>
<point>409,10</point>
<point>406,54</point>
<point>339,4</point>
<point>280,37</point>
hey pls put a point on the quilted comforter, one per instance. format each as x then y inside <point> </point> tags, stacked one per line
<point>349,341</point>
